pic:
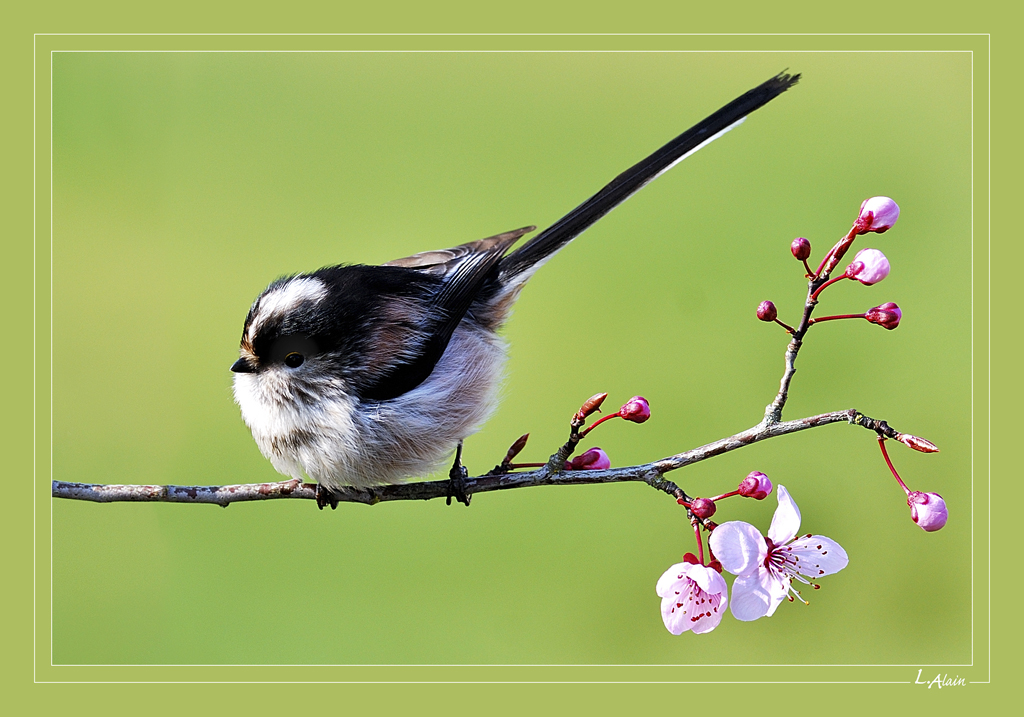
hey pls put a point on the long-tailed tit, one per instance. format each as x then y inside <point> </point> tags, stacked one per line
<point>361,376</point>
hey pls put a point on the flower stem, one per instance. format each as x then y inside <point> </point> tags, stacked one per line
<point>700,544</point>
<point>821,288</point>
<point>885,455</point>
<point>787,327</point>
<point>837,316</point>
<point>598,422</point>
<point>725,495</point>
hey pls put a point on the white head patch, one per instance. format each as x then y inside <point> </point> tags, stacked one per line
<point>286,298</point>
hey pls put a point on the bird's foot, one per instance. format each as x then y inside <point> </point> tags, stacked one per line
<point>457,480</point>
<point>326,496</point>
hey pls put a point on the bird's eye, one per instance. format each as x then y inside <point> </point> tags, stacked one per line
<point>293,360</point>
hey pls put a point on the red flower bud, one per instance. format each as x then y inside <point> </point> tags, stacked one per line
<point>592,460</point>
<point>636,410</point>
<point>801,248</point>
<point>766,311</point>
<point>756,486</point>
<point>887,315</point>
<point>702,507</point>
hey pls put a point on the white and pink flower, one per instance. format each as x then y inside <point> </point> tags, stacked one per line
<point>693,597</point>
<point>877,214</point>
<point>765,567</point>
<point>928,510</point>
<point>869,267</point>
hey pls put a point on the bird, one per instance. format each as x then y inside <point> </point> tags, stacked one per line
<point>360,376</point>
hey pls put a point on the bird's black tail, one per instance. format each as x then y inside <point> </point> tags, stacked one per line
<point>542,246</point>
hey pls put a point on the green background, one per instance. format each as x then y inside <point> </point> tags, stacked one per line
<point>184,182</point>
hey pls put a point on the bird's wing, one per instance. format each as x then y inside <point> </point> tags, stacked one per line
<point>440,261</point>
<point>462,272</point>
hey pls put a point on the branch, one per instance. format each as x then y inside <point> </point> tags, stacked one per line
<point>649,473</point>
<point>773,413</point>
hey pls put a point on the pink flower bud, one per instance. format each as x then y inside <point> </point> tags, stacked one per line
<point>869,267</point>
<point>592,460</point>
<point>801,248</point>
<point>766,311</point>
<point>917,443</point>
<point>636,410</point>
<point>877,214</point>
<point>756,486</point>
<point>887,315</point>
<point>927,509</point>
<point>702,507</point>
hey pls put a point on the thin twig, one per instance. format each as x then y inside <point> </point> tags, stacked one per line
<point>773,412</point>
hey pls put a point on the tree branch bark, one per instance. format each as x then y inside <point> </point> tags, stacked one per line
<point>650,473</point>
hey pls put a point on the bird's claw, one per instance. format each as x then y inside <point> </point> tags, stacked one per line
<point>325,496</point>
<point>457,481</point>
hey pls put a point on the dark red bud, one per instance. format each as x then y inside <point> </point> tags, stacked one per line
<point>702,507</point>
<point>801,248</point>
<point>766,311</point>
<point>589,406</point>
<point>636,409</point>
<point>516,448</point>
<point>887,315</point>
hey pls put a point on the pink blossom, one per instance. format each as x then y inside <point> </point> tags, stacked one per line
<point>869,267</point>
<point>927,509</point>
<point>886,315</point>
<point>756,485</point>
<point>765,567</point>
<point>593,459</point>
<point>877,214</point>
<point>636,409</point>
<point>693,597</point>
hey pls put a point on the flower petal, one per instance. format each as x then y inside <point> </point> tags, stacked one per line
<point>692,608</point>
<point>776,587</point>
<point>673,613</point>
<point>739,547</point>
<point>817,556</point>
<point>786,521</point>
<point>702,576</point>
<point>749,598</point>
<point>667,582</point>
<point>713,610</point>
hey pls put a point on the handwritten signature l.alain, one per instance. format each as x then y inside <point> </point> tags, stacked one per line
<point>941,681</point>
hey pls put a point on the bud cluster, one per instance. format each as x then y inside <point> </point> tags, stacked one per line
<point>868,267</point>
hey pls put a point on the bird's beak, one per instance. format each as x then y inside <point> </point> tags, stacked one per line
<point>242,366</point>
